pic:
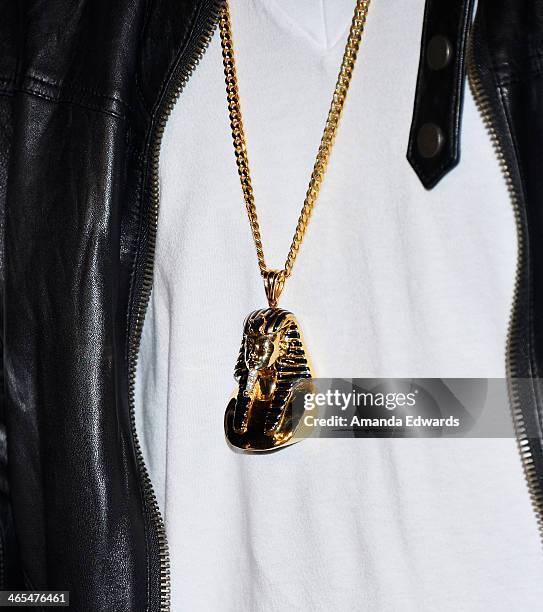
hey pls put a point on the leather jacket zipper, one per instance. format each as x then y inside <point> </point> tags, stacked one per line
<point>141,297</point>
<point>513,371</point>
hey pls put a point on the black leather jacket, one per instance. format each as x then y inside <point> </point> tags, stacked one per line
<point>85,92</point>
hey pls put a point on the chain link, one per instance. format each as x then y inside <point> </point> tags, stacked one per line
<point>326,143</point>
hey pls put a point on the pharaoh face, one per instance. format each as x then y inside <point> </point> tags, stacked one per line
<point>271,362</point>
<point>261,350</point>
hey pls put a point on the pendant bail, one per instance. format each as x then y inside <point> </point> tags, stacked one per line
<point>274,281</point>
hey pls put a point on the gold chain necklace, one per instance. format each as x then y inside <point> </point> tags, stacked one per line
<point>272,362</point>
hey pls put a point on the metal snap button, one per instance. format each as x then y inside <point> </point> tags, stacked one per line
<point>438,52</point>
<point>430,140</point>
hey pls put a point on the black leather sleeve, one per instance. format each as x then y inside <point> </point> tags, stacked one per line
<point>75,491</point>
<point>10,572</point>
<point>9,565</point>
<point>507,52</point>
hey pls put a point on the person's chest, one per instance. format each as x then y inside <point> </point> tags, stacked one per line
<point>385,264</point>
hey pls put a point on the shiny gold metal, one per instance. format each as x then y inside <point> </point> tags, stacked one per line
<point>274,281</point>
<point>327,140</point>
<point>272,369</point>
<point>262,414</point>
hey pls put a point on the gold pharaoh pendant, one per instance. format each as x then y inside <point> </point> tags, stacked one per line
<point>271,370</point>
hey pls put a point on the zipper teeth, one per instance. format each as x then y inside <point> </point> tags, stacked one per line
<point>143,301</point>
<point>523,442</point>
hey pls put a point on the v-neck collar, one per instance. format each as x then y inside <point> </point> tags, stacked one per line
<point>324,22</point>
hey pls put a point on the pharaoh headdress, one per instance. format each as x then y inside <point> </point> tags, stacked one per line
<point>271,417</point>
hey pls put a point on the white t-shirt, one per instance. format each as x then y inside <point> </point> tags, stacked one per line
<point>391,280</point>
